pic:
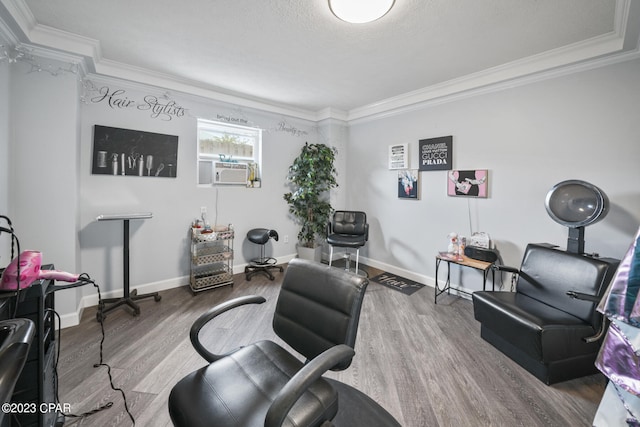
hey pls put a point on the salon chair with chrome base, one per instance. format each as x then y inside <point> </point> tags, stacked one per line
<point>264,264</point>
<point>263,384</point>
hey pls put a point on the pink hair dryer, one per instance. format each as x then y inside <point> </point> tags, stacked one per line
<point>30,263</point>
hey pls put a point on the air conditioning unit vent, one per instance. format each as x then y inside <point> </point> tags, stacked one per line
<point>230,173</point>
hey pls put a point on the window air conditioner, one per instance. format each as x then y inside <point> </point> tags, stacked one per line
<point>230,173</point>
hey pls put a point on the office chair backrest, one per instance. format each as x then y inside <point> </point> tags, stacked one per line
<point>349,222</point>
<point>548,274</point>
<point>318,308</point>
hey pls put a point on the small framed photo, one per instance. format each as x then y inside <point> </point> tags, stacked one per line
<point>408,184</point>
<point>467,183</point>
<point>399,156</point>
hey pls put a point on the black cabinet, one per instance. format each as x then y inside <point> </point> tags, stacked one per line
<point>36,386</point>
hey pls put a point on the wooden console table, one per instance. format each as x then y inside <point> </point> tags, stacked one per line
<point>463,261</point>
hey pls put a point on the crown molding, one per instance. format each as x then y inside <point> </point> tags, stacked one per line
<point>510,72</point>
<point>586,54</point>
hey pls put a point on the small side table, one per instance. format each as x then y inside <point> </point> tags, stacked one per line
<point>464,261</point>
<point>128,297</point>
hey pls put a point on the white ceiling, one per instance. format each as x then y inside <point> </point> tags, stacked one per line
<point>294,53</point>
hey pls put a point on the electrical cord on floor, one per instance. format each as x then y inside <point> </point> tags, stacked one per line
<point>85,279</point>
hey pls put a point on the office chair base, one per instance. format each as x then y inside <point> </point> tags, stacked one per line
<point>359,410</point>
<point>262,266</point>
<point>347,257</point>
<point>126,300</point>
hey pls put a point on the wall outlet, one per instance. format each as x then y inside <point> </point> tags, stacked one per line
<point>286,238</point>
<point>203,210</point>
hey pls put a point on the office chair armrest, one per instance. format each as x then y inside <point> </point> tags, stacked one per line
<point>297,385</point>
<point>210,315</point>
<point>366,232</point>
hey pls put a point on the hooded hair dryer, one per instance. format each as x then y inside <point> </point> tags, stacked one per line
<point>29,264</point>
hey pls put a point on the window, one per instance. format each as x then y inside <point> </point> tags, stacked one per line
<point>237,147</point>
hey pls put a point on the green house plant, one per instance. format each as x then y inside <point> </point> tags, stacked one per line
<point>311,176</point>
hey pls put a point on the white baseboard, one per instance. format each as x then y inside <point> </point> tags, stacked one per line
<point>420,278</point>
<point>73,319</point>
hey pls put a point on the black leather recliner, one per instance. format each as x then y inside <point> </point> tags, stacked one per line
<point>262,384</point>
<point>549,325</point>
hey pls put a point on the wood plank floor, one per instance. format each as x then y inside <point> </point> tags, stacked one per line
<point>425,363</point>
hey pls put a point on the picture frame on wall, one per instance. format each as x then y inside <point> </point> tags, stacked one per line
<point>436,154</point>
<point>408,184</point>
<point>398,156</point>
<point>127,152</point>
<point>468,183</point>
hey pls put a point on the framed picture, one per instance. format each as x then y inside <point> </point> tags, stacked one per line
<point>398,156</point>
<point>126,152</point>
<point>408,184</point>
<point>467,183</point>
<point>436,154</point>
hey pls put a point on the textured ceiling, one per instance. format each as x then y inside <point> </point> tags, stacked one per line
<point>295,53</point>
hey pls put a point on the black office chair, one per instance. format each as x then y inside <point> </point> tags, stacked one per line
<point>262,384</point>
<point>349,230</point>
<point>16,336</point>
<point>264,264</point>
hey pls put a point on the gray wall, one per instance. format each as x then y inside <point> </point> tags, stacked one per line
<point>582,126</point>
<point>530,137</point>
<point>4,156</point>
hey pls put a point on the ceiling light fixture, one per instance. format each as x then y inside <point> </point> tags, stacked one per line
<point>360,11</point>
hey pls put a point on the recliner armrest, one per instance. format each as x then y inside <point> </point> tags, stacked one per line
<point>583,296</point>
<point>297,385</point>
<point>210,315</point>
<point>505,268</point>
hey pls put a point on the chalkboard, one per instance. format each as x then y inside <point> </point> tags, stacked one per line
<point>126,152</point>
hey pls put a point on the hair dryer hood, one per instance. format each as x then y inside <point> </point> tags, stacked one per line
<point>575,203</point>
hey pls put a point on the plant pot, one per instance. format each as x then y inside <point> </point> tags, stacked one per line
<point>312,254</point>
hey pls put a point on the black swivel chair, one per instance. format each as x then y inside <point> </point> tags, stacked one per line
<point>15,339</point>
<point>348,229</point>
<point>264,264</point>
<point>262,384</point>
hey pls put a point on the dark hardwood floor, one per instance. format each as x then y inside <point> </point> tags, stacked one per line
<point>425,363</point>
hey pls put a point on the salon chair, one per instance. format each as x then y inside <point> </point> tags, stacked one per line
<point>549,325</point>
<point>16,336</point>
<point>264,264</point>
<point>349,230</point>
<point>263,384</point>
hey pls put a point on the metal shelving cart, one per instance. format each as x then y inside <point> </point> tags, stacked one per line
<point>211,258</point>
